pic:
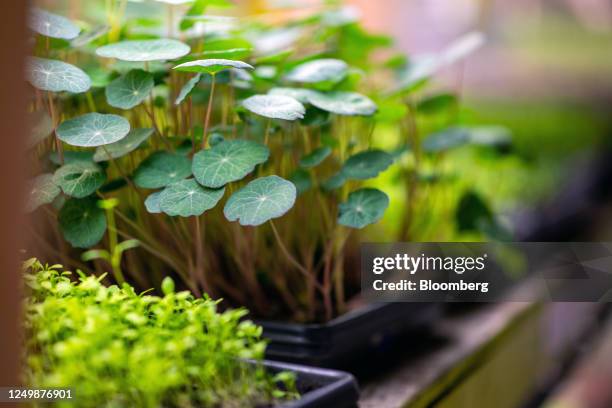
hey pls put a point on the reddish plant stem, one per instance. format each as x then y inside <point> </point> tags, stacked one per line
<point>208,111</point>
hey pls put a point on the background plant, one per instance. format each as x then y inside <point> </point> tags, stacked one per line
<point>282,130</point>
<point>116,348</point>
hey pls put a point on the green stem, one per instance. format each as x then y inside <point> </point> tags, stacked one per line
<point>208,111</point>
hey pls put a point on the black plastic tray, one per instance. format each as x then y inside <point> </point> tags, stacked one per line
<point>344,342</point>
<point>319,387</point>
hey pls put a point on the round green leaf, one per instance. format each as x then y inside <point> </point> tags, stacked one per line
<point>211,66</point>
<point>315,157</point>
<point>228,161</point>
<point>82,222</point>
<point>42,190</point>
<point>52,25</point>
<point>301,179</point>
<point>187,88</point>
<point>161,169</point>
<point>93,129</point>
<point>71,156</point>
<point>334,182</point>
<point>187,198</point>
<point>344,103</point>
<point>275,107</point>
<point>129,90</point>
<point>42,127</point>
<point>152,203</point>
<point>363,207</point>
<point>446,139</point>
<point>56,76</point>
<point>260,201</point>
<point>124,146</point>
<point>79,179</point>
<point>145,50</point>
<point>320,70</point>
<point>302,95</point>
<point>366,165</point>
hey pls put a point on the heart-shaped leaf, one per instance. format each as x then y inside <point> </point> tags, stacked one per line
<point>129,90</point>
<point>446,139</point>
<point>161,169</point>
<point>344,103</point>
<point>315,157</point>
<point>93,129</point>
<point>124,146</point>
<point>363,207</point>
<point>187,198</point>
<point>79,179</point>
<point>260,201</point>
<point>82,222</point>
<point>302,95</point>
<point>275,107</point>
<point>42,127</point>
<point>366,165</point>
<point>228,161</point>
<point>152,202</point>
<point>145,50</point>
<point>187,88</point>
<point>211,66</point>
<point>320,70</point>
<point>57,76</point>
<point>52,25</point>
<point>42,190</point>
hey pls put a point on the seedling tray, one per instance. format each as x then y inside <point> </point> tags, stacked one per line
<point>374,329</point>
<point>319,387</point>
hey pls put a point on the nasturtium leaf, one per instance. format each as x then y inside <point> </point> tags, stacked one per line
<point>437,103</point>
<point>42,126</point>
<point>124,146</point>
<point>446,140</point>
<point>366,165</point>
<point>334,182</point>
<point>71,156</point>
<point>260,201</point>
<point>215,138</point>
<point>52,25</point>
<point>82,222</point>
<point>79,179</point>
<point>275,107</point>
<point>462,47</point>
<point>363,207</point>
<point>302,95</point>
<point>315,157</point>
<point>187,88</point>
<point>320,70</point>
<point>472,212</point>
<point>57,76</point>
<point>129,90</point>
<point>344,103</point>
<point>89,36</point>
<point>186,198</point>
<point>42,190</point>
<point>302,180</point>
<point>228,161</point>
<point>152,202</point>
<point>494,136</point>
<point>93,129</point>
<point>211,66</point>
<point>161,169</point>
<point>145,50</point>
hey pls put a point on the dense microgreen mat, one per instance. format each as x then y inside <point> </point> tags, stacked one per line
<point>141,349</point>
